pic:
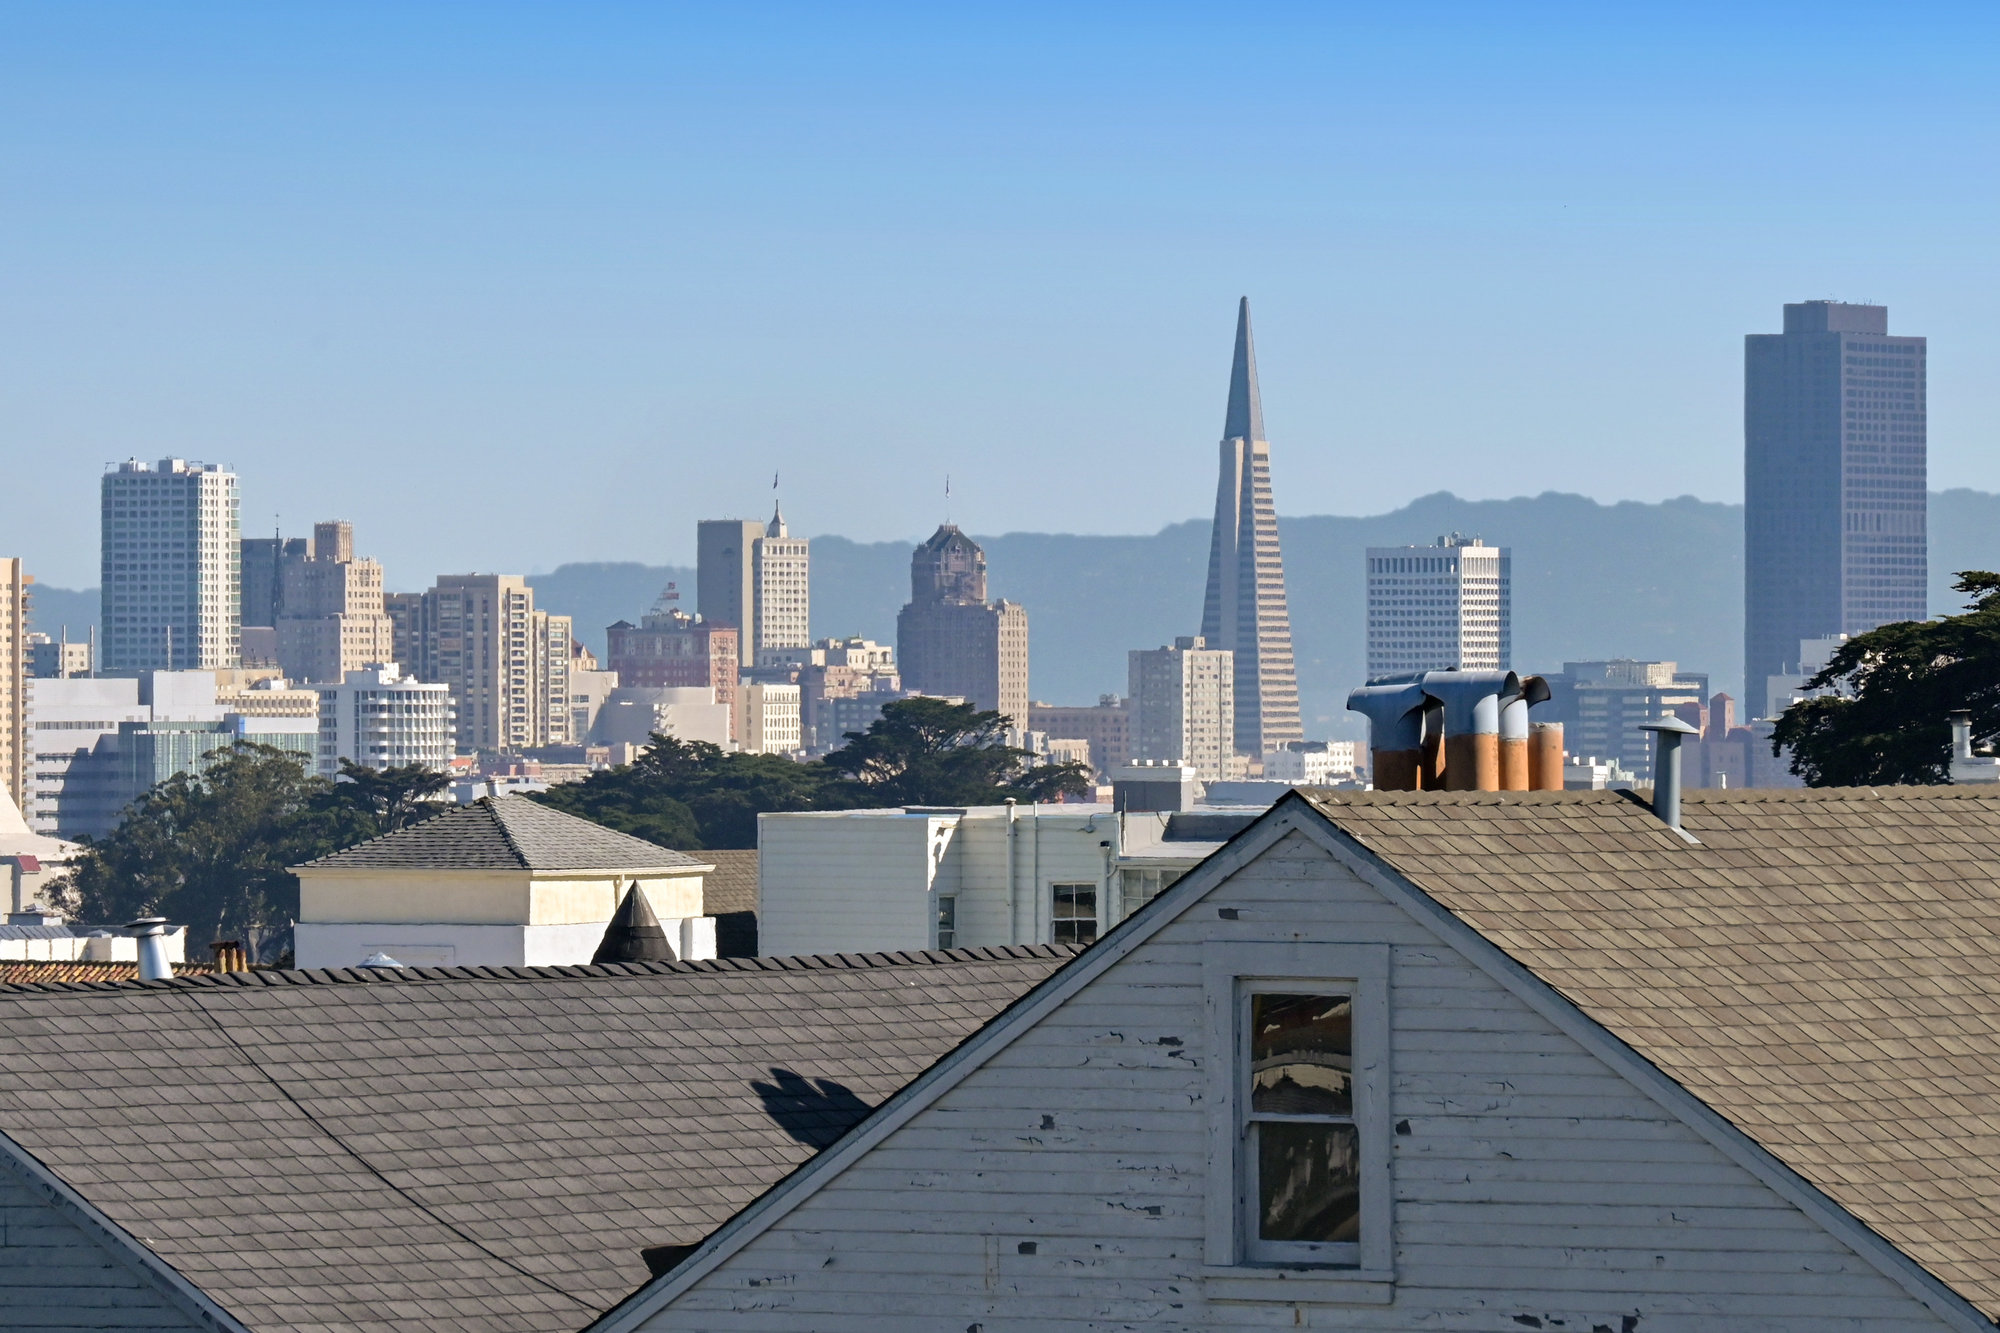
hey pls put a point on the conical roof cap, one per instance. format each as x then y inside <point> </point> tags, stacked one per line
<point>634,935</point>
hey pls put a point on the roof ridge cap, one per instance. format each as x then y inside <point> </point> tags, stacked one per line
<point>506,834</point>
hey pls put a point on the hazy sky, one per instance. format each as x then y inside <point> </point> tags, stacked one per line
<point>514,286</point>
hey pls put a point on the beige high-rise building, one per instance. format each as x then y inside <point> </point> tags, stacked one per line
<point>770,719</point>
<point>14,583</point>
<point>782,565</point>
<point>507,664</point>
<point>1184,706</point>
<point>332,619</point>
<point>951,641</point>
<point>555,645</point>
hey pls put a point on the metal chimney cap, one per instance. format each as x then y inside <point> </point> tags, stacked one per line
<point>1669,724</point>
<point>148,925</point>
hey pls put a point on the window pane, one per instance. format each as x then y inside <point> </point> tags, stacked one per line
<point>1301,1054</point>
<point>1074,913</point>
<point>1308,1182</point>
<point>947,922</point>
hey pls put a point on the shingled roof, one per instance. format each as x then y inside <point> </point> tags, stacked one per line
<point>484,1149</point>
<point>507,833</point>
<point>1823,969</point>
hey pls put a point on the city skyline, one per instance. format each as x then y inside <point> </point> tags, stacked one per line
<point>369,240</point>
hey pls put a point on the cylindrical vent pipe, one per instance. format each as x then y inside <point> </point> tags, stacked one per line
<point>1471,702</point>
<point>1514,766</point>
<point>1667,734</point>
<point>1545,756</point>
<point>1430,774</point>
<point>1395,714</point>
<point>153,964</point>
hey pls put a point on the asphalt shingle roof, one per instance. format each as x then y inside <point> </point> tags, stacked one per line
<point>732,885</point>
<point>507,833</point>
<point>465,1149</point>
<point>1823,969</point>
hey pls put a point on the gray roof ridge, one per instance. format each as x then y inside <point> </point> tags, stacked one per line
<point>506,834</point>
<point>335,976</point>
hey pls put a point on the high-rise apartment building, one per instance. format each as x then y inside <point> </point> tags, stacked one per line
<point>1835,492</point>
<point>170,573</point>
<point>379,718</point>
<point>771,719</point>
<point>755,578</point>
<point>951,641</point>
<point>14,654</point>
<point>330,615</point>
<point>481,635</point>
<point>1244,611</point>
<point>1184,706</point>
<point>1432,608</point>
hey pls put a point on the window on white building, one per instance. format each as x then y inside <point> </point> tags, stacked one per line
<point>947,921</point>
<point>1299,1110</point>
<point>1074,915</point>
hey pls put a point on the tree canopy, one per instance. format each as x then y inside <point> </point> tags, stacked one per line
<point>212,847</point>
<point>1886,722</point>
<point>922,751</point>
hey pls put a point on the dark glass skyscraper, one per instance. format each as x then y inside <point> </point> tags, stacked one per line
<point>1834,485</point>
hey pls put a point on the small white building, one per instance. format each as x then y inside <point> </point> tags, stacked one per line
<point>379,718</point>
<point>941,878</point>
<point>503,882</point>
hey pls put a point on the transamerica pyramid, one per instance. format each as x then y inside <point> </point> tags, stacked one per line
<point>1245,611</point>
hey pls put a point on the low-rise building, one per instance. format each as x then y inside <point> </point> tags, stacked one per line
<point>1311,763</point>
<point>380,718</point>
<point>57,658</point>
<point>672,650</point>
<point>502,882</point>
<point>916,878</point>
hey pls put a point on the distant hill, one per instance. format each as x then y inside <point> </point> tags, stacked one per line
<point>1590,580</point>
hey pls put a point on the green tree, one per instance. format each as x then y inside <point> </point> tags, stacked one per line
<point>209,848</point>
<point>1886,723</point>
<point>691,795</point>
<point>366,802</point>
<point>927,751</point>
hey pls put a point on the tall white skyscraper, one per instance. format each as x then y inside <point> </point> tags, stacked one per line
<point>380,718</point>
<point>1431,608</point>
<point>171,566</point>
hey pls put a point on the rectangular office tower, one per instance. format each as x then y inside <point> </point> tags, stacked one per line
<point>1834,484</point>
<point>171,567</point>
<point>1432,608</point>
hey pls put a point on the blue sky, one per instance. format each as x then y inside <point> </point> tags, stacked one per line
<point>510,286</point>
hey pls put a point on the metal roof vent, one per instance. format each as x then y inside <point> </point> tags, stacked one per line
<point>380,959</point>
<point>1667,735</point>
<point>153,964</point>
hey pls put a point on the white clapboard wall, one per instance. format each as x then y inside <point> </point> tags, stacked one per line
<point>1062,1184</point>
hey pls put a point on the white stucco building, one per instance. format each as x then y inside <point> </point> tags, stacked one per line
<point>771,719</point>
<point>380,718</point>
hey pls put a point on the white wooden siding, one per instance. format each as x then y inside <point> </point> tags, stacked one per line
<point>1061,1185</point>
<point>56,1277</point>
